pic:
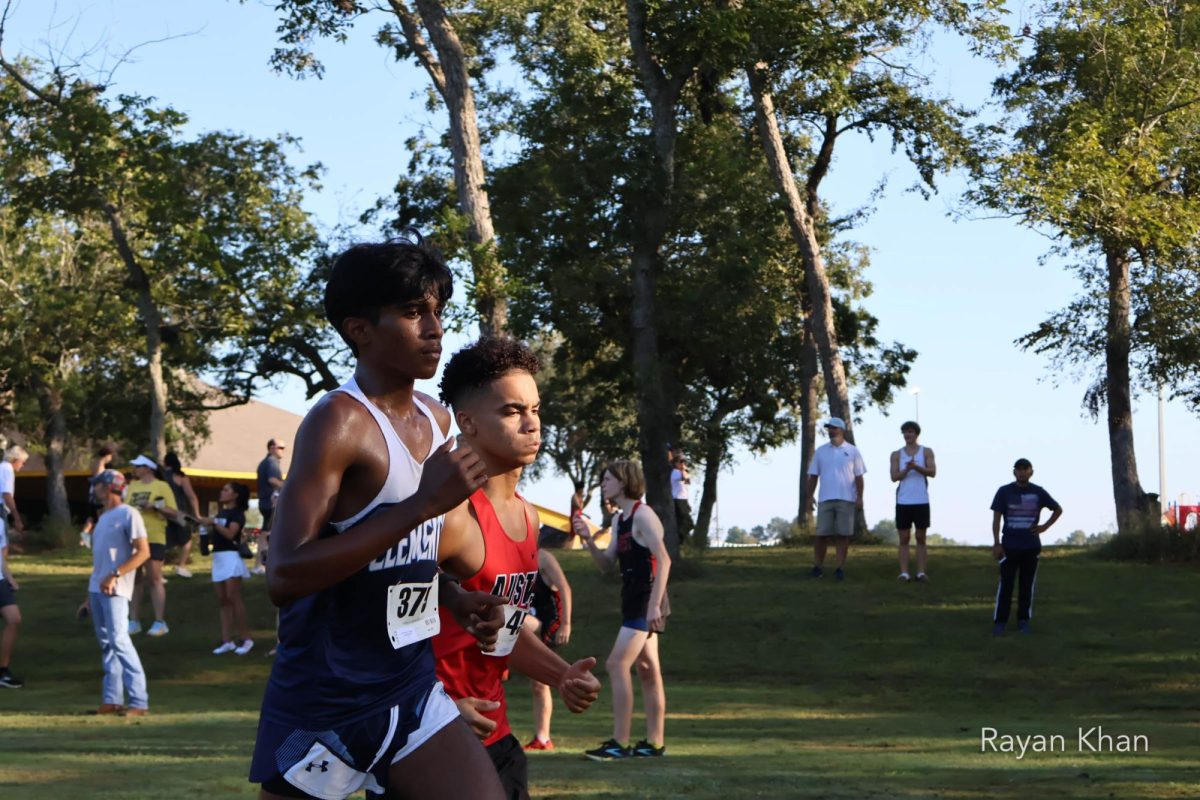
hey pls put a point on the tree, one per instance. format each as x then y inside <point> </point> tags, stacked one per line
<point>885,530</point>
<point>1076,538</point>
<point>189,220</point>
<point>736,535</point>
<point>1105,153</point>
<point>459,55</point>
<point>58,337</point>
<point>836,70</point>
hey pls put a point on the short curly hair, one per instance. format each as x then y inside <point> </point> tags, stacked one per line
<point>481,363</point>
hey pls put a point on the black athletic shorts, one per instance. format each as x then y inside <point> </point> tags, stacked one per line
<point>511,765</point>
<point>158,552</point>
<point>8,596</point>
<point>912,516</point>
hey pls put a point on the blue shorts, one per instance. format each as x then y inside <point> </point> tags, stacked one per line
<point>638,624</point>
<point>334,763</point>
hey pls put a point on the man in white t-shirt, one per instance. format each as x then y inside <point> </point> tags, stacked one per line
<point>10,612</point>
<point>681,482</point>
<point>838,468</point>
<point>14,458</point>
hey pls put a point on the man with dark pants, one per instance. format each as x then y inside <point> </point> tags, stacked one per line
<point>1020,505</point>
<point>680,483</point>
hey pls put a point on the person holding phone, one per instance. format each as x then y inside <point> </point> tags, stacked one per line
<point>228,569</point>
<point>152,496</point>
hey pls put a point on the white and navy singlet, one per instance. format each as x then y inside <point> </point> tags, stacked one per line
<point>360,646</point>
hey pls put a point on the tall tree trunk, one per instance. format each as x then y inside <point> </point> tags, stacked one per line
<point>804,232</point>
<point>810,404</point>
<point>652,213</point>
<point>450,75</point>
<point>713,455</point>
<point>54,438</point>
<point>1127,489</point>
<point>152,320</point>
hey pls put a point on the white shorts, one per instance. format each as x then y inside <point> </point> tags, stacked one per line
<point>228,564</point>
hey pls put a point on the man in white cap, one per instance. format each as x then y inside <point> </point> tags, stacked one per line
<point>838,468</point>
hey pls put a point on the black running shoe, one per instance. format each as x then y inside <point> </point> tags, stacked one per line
<point>609,751</point>
<point>7,679</point>
<point>644,749</point>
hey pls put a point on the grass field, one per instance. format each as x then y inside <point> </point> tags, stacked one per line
<point>778,686</point>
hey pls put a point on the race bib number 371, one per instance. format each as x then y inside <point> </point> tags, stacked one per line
<point>412,613</point>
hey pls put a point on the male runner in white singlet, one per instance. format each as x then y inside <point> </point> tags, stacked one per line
<point>353,702</point>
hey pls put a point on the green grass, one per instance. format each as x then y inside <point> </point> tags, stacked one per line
<point>778,686</point>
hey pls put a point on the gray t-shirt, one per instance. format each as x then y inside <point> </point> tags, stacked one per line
<point>3,544</point>
<point>112,545</point>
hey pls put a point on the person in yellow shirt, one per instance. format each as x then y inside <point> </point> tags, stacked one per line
<point>153,497</point>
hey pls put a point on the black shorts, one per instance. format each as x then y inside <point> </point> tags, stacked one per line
<point>267,515</point>
<point>158,552</point>
<point>511,765</point>
<point>8,596</point>
<point>912,516</point>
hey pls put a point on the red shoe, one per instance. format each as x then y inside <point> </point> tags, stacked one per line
<point>537,744</point>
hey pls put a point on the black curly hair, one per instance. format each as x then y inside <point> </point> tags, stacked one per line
<point>482,362</point>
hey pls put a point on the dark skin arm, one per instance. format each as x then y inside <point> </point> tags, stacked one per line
<point>329,453</point>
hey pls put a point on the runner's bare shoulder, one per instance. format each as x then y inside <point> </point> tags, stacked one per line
<point>440,412</point>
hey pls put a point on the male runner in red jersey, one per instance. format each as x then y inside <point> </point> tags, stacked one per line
<point>491,388</point>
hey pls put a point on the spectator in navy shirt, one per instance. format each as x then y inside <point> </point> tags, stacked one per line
<point>1020,505</point>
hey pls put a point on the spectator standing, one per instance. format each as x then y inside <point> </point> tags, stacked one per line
<point>838,467</point>
<point>1020,505</point>
<point>100,462</point>
<point>186,501</point>
<point>152,496</point>
<point>10,612</point>
<point>681,483</point>
<point>270,481</point>
<point>549,618</point>
<point>14,459</point>
<point>228,568</point>
<point>119,547</point>
<point>912,466</point>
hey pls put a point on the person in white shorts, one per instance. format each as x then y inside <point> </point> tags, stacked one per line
<point>838,468</point>
<point>228,569</point>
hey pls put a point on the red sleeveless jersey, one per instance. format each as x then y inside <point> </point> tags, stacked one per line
<point>509,570</point>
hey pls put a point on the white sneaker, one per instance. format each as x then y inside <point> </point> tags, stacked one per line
<point>159,628</point>
<point>904,576</point>
<point>183,572</point>
<point>244,647</point>
<point>226,647</point>
<point>134,627</point>
<point>259,570</point>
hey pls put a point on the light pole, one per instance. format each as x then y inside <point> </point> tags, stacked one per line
<point>1162,454</point>
<point>916,393</point>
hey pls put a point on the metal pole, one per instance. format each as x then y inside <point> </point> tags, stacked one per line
<point>1162,453</point>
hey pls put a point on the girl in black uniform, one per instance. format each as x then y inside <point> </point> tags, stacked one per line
<point>637,546</point>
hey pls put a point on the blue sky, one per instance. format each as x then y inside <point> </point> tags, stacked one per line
<point>959,292</point>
